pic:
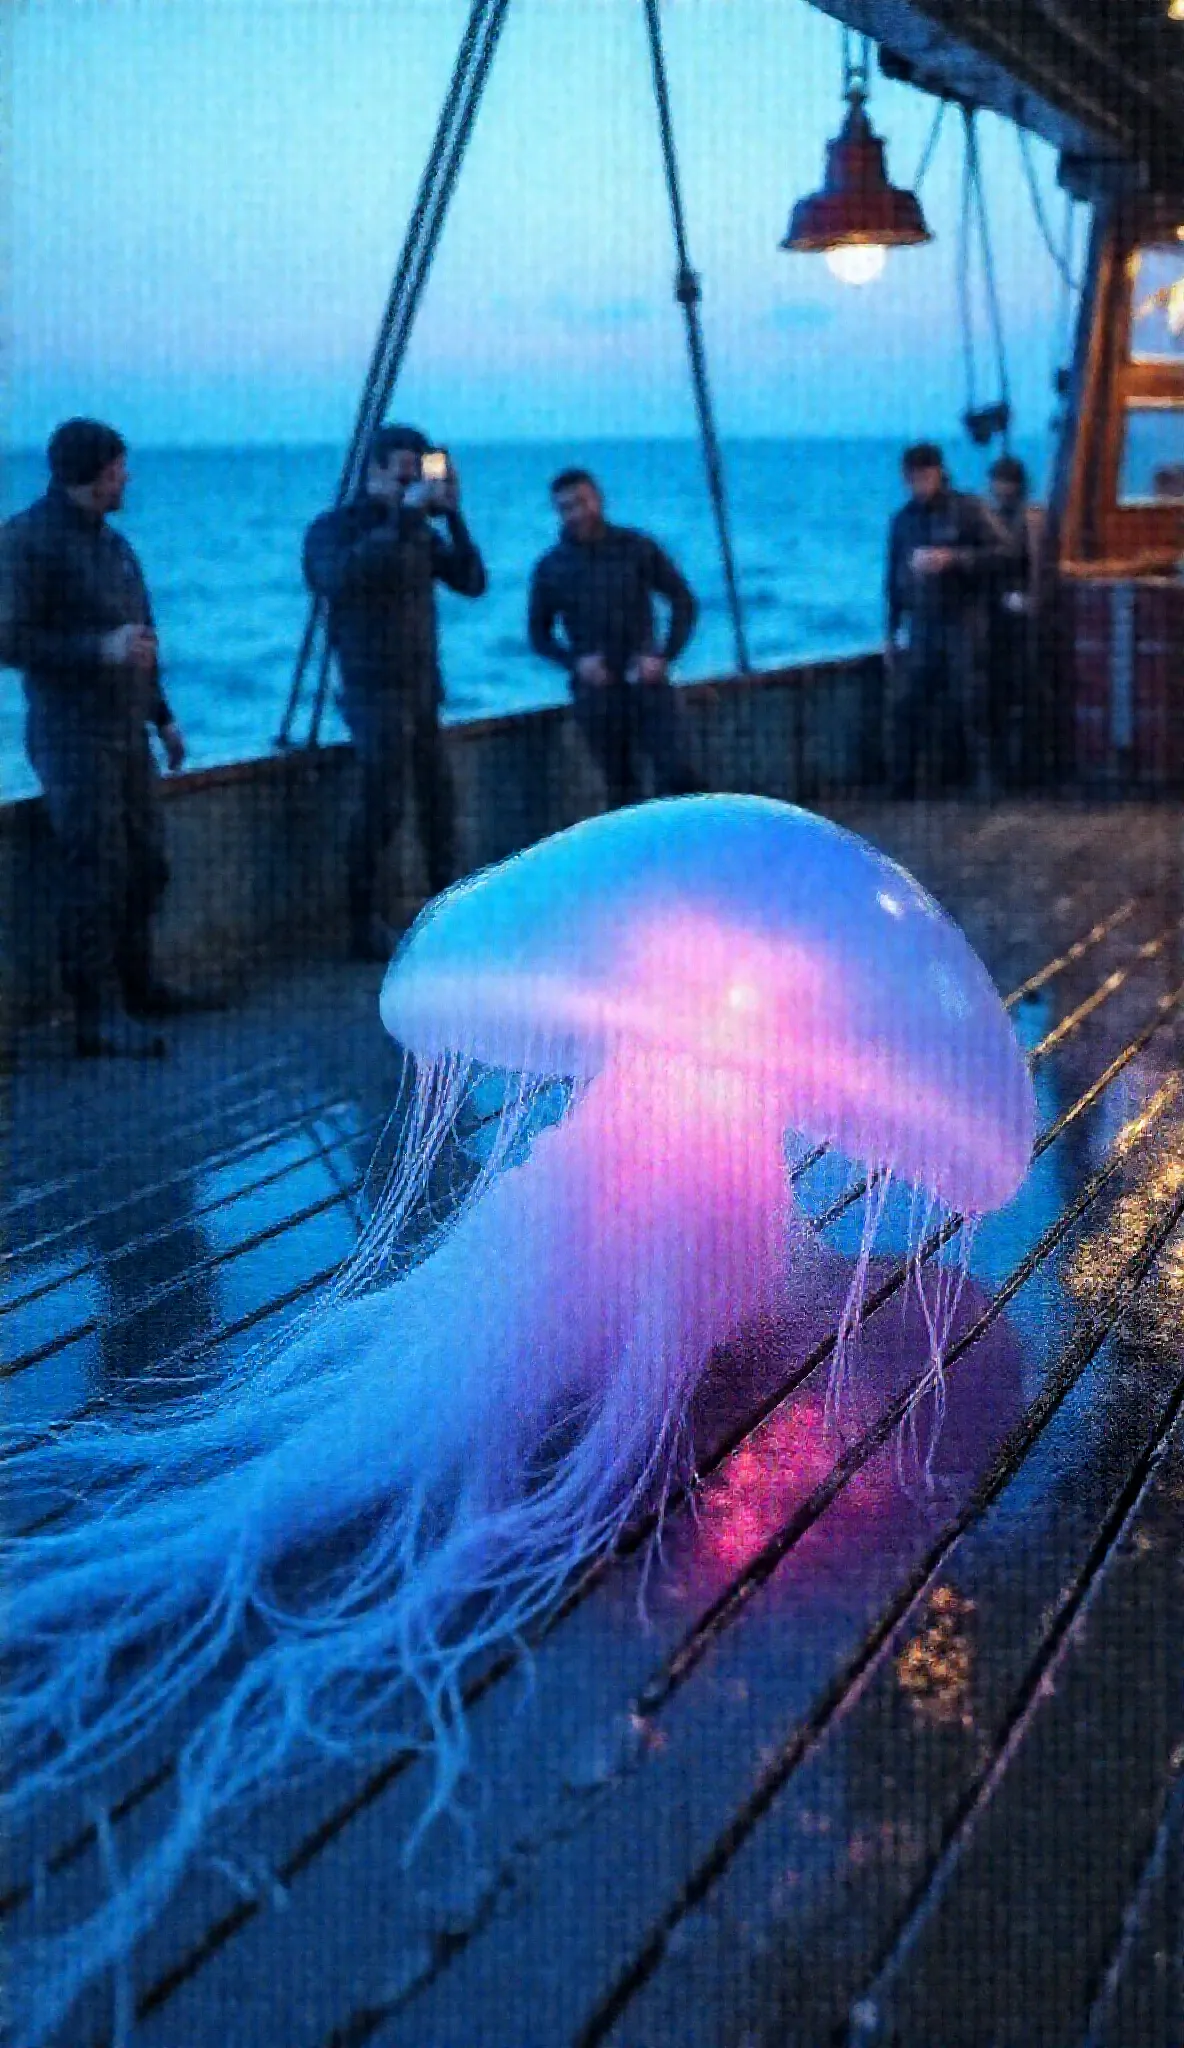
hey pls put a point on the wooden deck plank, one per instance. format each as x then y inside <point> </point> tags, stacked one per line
<point>1012,1941</point>
<point>1141,1997</point>
<point>594,1668</point>
<point>790,1931</point>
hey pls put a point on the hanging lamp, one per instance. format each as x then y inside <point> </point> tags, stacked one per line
<point>857,215</point>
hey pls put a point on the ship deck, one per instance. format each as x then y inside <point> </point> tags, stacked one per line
<point>872,1768</point>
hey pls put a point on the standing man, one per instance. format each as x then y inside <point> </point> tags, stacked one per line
<point>941,549</point>
<point>75,617</point>
<point>376,562</point>
<point>598,583</point>
<point>1020,707</point>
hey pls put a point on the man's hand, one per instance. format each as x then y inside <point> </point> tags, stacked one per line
<point>592,668</point>
<point>174,747</point>
<point>432,495</point>
<point>932,561</point>
<point>648,668</point>
<point>128,647</point>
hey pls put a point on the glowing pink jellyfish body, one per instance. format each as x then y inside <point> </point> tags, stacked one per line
<point>725,982</point>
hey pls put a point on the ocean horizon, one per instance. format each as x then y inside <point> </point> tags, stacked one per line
<point>219,529</point>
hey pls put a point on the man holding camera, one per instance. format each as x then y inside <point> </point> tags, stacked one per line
<point>376,561</point>
<point>75,617</point>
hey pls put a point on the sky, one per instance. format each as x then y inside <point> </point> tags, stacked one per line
<point>207,200</point>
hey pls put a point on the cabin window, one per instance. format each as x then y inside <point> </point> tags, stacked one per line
<point>1152,466</point>
<point>1125,501</point>
<point>1157,305</point>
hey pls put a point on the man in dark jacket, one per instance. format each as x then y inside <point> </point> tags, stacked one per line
<point>598,584</point>
<point>75,617</point>
<point>1021,702</point>
<point>376,562</point>
<point>941,550</point>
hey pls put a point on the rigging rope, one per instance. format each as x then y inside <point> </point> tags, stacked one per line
<point>1060,261</point>
<point>453,130</point>
<point>688,292</point>
<point>930,146</point>
<point>981,423</point>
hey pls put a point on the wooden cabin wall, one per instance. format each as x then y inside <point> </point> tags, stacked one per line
<point>1095,533</point>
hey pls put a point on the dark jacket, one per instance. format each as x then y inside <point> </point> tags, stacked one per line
<point>1020,570</point>
<point>931,603</point>
<point>67,578</point>
<point>601,593</point>
<point>377,571</point>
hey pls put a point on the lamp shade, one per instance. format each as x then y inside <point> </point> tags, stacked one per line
<point>856,205</point>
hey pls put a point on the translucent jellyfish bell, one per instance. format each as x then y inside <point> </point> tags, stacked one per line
<point>739,933</point>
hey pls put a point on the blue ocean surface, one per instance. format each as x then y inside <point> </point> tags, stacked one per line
<point>219,533</point>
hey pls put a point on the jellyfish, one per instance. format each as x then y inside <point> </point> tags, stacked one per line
<point>674,1005</point>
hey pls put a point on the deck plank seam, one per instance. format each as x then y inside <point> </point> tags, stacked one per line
<point>275,1065</point>
<point>216,1162</point>
<point>1169,1832</point>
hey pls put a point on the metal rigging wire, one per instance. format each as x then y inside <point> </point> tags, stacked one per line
<point>688,293</point>
<point>453,130</point>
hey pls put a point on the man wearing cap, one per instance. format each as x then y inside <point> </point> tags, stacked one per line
<point>75,617</point>
<point>376,561</point>
<point>942,548</point>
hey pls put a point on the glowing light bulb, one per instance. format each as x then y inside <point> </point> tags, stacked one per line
<point>858,264</point>
<point>1176,10</point>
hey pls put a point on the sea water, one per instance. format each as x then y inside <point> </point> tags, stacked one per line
<point>219,534</point>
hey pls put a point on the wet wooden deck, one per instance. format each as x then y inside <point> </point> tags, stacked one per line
<point>868,1771</point>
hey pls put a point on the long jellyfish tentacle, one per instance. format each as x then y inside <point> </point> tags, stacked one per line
<point>477,1430</point>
